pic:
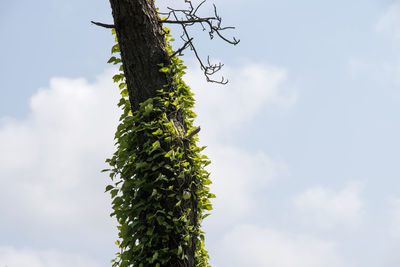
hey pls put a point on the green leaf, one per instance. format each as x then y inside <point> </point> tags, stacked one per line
<point>114,193</point>
<point>205,215</point>
<point>186,195</point>
<point>112,59</point>
<point>109,187</point>
<point>155,256</point>
<point>156,145</point>
<point>170,154</point>
<point>158,132</point>
<point>164,69</point>
<point>124,93</point>
<point>117,201</point>
<point>207,182</point>
<point>122,85</point>
<point>208,207</point>
<point>150,169</point>
<point>202,237</point>
<point>154,192</point>
<point>148,109</point>
<point>115,48</point>
<point>118,77</point>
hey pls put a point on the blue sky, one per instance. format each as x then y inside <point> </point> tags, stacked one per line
<point>304,138</point>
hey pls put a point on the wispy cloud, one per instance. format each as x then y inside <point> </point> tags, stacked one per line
<point>250,245</point>
<point>239,176</point>
<point>394,216</point>
<point>12,257</point>
<point>252,88</point>
<point>389,22</point>
<point>327,208</point>
<point>50,165</point>
<point>50,161</point>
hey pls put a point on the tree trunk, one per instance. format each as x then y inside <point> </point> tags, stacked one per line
<point>142,45</point>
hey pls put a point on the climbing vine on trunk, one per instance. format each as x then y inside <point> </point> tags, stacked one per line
<point>159,189</point>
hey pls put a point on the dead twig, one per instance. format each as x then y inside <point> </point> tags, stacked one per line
<point>187,18</point>
<point>108,26</point>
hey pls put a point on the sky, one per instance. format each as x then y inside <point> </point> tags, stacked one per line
<point>304,139</point>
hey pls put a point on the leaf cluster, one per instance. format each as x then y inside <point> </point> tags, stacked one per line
<point>159,186</point>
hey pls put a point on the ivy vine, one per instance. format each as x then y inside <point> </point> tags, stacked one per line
<point>157,174</point>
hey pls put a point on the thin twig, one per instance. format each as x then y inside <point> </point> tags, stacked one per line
<point>197,8</point>
<point>108,26</point>
<point>191,19</point>
<point>213,24</point>
<point>179,51</point>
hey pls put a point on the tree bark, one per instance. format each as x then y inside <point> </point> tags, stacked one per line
<point>142,45</point>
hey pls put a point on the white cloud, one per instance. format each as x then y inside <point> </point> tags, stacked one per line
<point>394,216</point>
<point>249,245</point>
<point>50,164</point>
<point>390,21</point>
<point>327,208</point>
<point>238,180</point>
<point>50,161</point>
<point>11,257</point>
<point>252,88</point>
<point>238,176</point>
<point>356,67</point>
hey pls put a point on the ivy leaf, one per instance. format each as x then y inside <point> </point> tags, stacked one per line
<point>115,48</point>
<point>203,217</point>
<point>207,182</point>
<point>112,59</point>
<point>148,109</point>
<point>158,132</point>
<point>124,93</point>
<point>164,69</point>
<point>155,256</point>
<point>114,193</point>
<point>109,187</point>
<point>186,195</point>
<point>150,168</point>
<point>208,207</point>
<point>156,145</point>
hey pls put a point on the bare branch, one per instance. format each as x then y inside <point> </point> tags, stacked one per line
<point>189,21</point>
<point>108,26</point>
<point>197,8</point>
<point>187,18</point>
<point>179,51</point>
